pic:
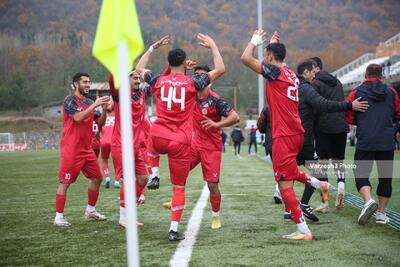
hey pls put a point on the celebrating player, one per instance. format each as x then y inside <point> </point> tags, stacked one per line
<point>107,131</point>
<point>207,143</point>
<point>287,132</point>
<point>138,98</point>
<point>76,147</point>
<point>171,133</point>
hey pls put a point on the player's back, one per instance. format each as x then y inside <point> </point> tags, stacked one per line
<point>107,129</point>
<point>282,97</point>
<point>176,98</point>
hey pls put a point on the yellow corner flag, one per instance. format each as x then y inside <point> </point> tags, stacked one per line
<point>118,22</point>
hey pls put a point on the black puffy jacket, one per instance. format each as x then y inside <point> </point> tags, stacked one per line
<point>310,104</point>
<point>330,88</point>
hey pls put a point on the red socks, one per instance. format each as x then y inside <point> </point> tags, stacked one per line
<point>104,166</point>
<point>139,189</point>
<point>60,203</point>
<point>215,203</point>
<point>122,196</point>
<point>302,177</point>
<point>177,204</point>
<point>92,197</point>
<point>292,204</point>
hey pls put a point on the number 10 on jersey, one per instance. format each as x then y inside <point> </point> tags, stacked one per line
<point>171,96</point>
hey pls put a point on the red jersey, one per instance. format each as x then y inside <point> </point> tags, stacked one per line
<point>175,101</point>
<point>282,97</point>
<point>138,112</point>
<point>95,136</point>
<point>107,129</point>
<point>213,107</point>
<point>76,137</point>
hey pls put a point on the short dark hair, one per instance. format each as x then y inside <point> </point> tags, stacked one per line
<point>374,70</point>
<point>278,50</point>
<point>78,75</point>
<point>176,57</point>
<point>202,67</point>
<point>318,61</point>
<point>307,64</point>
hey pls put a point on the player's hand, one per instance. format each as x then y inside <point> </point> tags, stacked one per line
<point>275,38</point>
<point>359,105</point>
<point>208,123</point>
<point>205,40</point>
<point>163,41</point>
<point>190,64</point>
<point>102,101</point>
<point>258,38</point>
<point>108,105</point>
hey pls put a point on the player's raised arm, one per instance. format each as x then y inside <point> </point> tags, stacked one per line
<point>247,57</point>
<point>144,60</point>
<point>219,66</point>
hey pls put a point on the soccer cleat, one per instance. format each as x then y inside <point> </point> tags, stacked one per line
<point>308,212</point>
<point>174,236</point>
<point>124,224</point>
<point>367,212</point>
<point>299,236</point>
<point>382,218</point>
<point>117,185</point>
<point>339,202</point>
<point>61,222</point>
<point>215,222</point>
<point>325,191</point>
<point>323,208</point>
<point>94,215</point>
<point>108,181</point>
<point>287,217</point>
<point>167,205</point>
<point>277,197</point>
<point>154,183</point>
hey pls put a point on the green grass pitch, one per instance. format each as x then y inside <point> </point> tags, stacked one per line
<point>250,236</point>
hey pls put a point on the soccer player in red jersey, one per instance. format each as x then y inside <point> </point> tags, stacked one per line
<point>152,159</point>
<point>171,133</point>
<point>106,134</point>
<point>138,98</point>
<point>207,143</point>
<point>76,147</point>
<point>96,139</point>
<point>287,131</point>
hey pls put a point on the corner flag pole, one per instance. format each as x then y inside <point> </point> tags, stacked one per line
<point>261,92</point>
<point>127,157</point>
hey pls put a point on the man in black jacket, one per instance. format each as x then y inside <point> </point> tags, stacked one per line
<point>310,102</point>
<point>330,132</point>
<point>375,132</point>
<point>237,138</point>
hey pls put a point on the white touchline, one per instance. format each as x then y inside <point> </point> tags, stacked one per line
<point>184,249</point>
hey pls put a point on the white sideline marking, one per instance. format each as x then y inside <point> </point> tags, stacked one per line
<point>183,252</point>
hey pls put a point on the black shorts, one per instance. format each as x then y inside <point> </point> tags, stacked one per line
<point>306,154</point>
<point>330,146</point>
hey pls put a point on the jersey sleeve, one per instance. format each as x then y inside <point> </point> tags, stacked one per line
<point>269,71</point>
<point>223,108</point>
<point>151,78</point>
<point>113,90</point>
<point>97,113</point>
<point>200,81</point>
<point>70,106</point>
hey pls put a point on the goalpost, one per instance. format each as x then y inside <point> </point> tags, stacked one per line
<point>7,142</point>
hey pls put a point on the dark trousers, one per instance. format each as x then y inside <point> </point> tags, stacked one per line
<point>252,141</point>
<point>331,146</point>
<point>236,145</point>
<point>384,162</point>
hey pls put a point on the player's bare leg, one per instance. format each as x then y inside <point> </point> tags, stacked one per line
<point>61,198</point>
<point>215,200</point>
<point>93,194</point>
<point>293,206</point>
